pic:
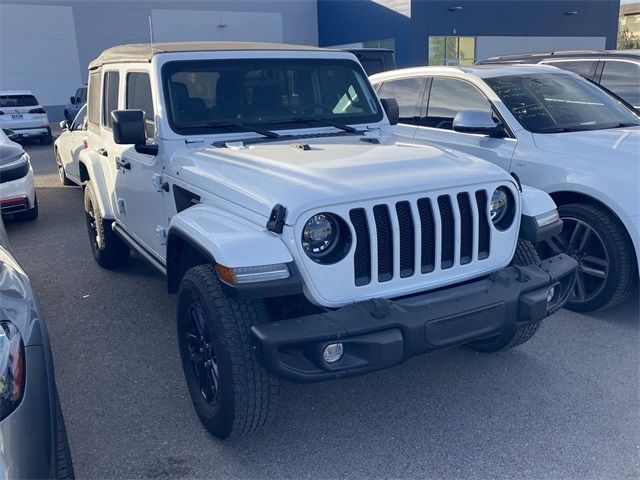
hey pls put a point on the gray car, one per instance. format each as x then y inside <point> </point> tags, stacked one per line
<point>76,102</point>
<point>33,440</point>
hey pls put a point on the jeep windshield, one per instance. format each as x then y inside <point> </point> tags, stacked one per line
<point>217,96</point>
<point>556,103</point>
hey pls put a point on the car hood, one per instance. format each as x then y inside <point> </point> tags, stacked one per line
<point>327,171</point>
<point>611,146</point>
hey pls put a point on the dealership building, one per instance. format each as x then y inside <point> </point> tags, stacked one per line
<point>46,45</point>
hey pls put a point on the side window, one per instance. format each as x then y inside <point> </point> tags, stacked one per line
<point>81,95</point>
<point>110,98</point>
<point>581,67</point>
<point>408,92</point>
<point>139,98</point>
<point>95,87</point>
<point>448,97</point>
<point>623,79</point>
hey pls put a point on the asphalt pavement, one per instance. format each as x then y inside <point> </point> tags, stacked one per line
<point>564,405</point>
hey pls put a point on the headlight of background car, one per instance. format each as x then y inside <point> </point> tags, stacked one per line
<point>326,238</point>
<point>502,208</point>
<point>12,368</point>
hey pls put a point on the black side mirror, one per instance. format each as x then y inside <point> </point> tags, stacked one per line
<point>128,127</point>
<point>392,109</point>
<point>478,122</point>
<point>72,100</point>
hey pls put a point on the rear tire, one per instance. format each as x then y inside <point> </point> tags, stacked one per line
<point>47,139</point>
<point>606,261</point>
<point>231,391</point>
<point>62,174</point>
<point>108,249</point>
<point>526,254</point>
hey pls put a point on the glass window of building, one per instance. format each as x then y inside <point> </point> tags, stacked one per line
<point>452,50</point>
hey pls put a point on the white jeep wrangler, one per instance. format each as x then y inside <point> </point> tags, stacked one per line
<point>303,239</point>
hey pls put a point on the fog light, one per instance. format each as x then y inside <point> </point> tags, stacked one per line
<point>551,294</point>
<point>332,352</point>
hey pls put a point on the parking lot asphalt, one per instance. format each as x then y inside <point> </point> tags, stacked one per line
<point>564,405</point>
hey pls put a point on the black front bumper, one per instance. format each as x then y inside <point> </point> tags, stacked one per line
<point>380,333</point>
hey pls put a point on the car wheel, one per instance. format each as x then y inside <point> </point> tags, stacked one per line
<point>526,254</point>
<point>47,139</point>
<point>63,460</point>
<point>231,391</point>
<point>606,262</point>
<point>61,172</point>
<point>30,214</point>
<point>108,249</point>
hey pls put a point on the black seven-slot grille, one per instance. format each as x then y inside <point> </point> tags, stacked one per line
<point>419,225</point>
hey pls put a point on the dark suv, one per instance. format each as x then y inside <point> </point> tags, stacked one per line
<point>616,70</point>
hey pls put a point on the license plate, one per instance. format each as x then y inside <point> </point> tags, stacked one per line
<point>16,116</point>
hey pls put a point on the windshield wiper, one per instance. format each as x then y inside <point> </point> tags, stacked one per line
<point>229,125</point>
<point>321,121</point>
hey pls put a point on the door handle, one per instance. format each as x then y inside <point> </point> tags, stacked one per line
<point>103,152</point>
<point>124,163</point>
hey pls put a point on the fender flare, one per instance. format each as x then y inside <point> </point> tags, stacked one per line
<point>91,161</point>
<point>220,237</point>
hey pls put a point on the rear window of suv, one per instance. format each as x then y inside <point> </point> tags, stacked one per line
<point>9,101</point>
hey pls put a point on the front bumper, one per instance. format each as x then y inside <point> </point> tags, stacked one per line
<point>380,333</point>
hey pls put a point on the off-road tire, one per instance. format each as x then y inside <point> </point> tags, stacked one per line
<point>63,460</point>
<point>247,394</point>
<point>30,214</point>
<point>61,171</point>
<point>108,249</point>
<point>526,254</point>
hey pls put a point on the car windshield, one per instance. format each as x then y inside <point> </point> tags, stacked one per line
<point>215,96</point>
<point>9,101</point>
<point>553,103</point>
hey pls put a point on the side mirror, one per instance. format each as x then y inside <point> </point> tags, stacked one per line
<point>478,122</point>
<point>392,109</point>
<point>72,100</point>
<point>64,125</point>
<point>128,127</point>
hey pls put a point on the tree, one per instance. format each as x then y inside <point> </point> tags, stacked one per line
<point>627,40</point>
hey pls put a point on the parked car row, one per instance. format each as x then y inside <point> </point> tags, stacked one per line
<point>317,225</point>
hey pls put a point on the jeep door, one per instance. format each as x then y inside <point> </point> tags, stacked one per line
<point>141,209</point>
<point>445,97</point>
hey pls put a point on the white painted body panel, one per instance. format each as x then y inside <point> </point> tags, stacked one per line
<point>602,164</point>
<point>24,186</point>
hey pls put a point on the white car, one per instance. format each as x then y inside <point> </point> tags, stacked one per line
<point>17,185</point>
<point>557,132</point>
<point>21,112</point>
<point>303,239</point>
<point>68,146</point>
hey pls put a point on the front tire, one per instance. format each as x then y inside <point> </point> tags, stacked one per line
<point>606,263</point>
<point>108,249</point>
<point>526,254</point>
<point>231,391</point>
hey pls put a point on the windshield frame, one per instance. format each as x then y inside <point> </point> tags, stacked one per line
<point>600,94</point>
<point>167,67</point>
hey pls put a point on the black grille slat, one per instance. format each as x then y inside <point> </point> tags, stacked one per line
<point>385,242</point>
<point>407,239</point>
<point>466,228</point>
<point>484,232</point>
<point>448,232</point>
<point>428,236</point>
<point>362,256</point>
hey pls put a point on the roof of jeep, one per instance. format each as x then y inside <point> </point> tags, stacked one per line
<point>144,52</point>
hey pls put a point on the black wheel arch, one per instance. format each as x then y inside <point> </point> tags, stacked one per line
<point>182,254</point>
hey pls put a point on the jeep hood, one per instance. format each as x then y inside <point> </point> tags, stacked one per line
<point>618,147</point>
<point>327,171</point>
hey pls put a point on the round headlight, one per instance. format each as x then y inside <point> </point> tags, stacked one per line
<point>319,233</point>
<point>499,205</point>
<point>326,238</point>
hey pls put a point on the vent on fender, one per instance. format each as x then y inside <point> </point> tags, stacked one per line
<point>184,198</point>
